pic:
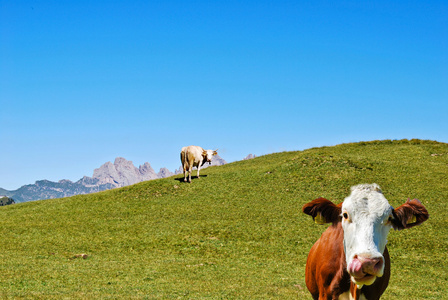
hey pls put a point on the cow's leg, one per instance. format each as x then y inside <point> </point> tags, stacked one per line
<point>185,172</point>
<point>190,169</point>
<point>199,168</point>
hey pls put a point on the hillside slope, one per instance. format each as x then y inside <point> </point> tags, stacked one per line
<point>235,233</point>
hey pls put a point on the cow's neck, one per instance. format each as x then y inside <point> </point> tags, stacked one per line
<point>349,296</point>
<point>204,160</point>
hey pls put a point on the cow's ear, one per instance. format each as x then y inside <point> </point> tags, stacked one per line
<point>215,152</point>
<point>323,211</point>
<point>408,215</point>
<point>204,153</point>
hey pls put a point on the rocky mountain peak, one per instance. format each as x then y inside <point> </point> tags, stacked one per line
<point>122,161</point>
<point>123,172</point>
<point>107,173</point>
<point>147,172</point>
<point>250,156</point>
<point>164,172</point>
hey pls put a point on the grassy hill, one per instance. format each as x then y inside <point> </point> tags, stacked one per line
<point>235,233</point>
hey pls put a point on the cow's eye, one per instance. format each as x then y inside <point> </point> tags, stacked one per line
<point>345,216</point>
<point>391,218</point>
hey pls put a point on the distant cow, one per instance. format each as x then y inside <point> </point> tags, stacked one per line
<point>195,156</point>
<point>350,260</point>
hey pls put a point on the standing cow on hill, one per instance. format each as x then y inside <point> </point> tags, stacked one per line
<point>195,156</point>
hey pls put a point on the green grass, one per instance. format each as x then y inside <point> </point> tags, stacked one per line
<point>236,233</point>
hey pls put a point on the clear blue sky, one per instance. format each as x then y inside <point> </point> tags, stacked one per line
<point>82,82</point>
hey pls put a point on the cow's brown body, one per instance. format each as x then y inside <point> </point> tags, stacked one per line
<point>326,269</point>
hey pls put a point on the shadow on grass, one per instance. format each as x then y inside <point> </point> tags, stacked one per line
<point>181,179</point>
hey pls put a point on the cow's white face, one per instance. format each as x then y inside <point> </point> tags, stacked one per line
<point>208,155</point>
<point>366,220</point>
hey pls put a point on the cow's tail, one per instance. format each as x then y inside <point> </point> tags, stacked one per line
<point>182,158</point>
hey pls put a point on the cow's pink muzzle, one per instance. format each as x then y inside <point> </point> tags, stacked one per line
<point>364,269</point>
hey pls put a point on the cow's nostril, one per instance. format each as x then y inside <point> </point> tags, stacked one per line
<point>379,264</point>
<point>373,266</point>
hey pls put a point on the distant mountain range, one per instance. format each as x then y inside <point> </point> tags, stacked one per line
<point>121,173</point>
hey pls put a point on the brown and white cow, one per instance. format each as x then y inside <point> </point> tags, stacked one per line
<point>350,260</point>
<point>195,156</point>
